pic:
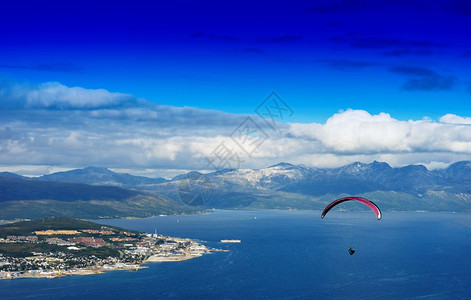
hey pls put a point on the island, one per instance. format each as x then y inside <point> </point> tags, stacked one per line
<point>55,247</point>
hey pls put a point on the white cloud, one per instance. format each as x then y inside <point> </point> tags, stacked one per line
<point>454,119</point>
<point>56,95</point>
<point>358,132</point>
<point>63,127</point>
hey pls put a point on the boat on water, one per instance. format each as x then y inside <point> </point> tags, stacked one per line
<point>231,241</point>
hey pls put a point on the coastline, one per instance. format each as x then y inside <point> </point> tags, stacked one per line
<point>57,247</point>
<point>185,255</point>
<point>57,273</point>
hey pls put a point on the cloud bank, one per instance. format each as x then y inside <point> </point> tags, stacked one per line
<point>358,132</point>
<point>54,126</point>
<point>53,95</point>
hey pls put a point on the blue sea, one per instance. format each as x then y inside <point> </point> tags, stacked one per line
<point>288,255</point>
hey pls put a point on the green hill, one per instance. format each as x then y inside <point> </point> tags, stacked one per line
<point>53,223</point>
<point>27,228</point>
<point>32,199</point>
<point>26,189</point>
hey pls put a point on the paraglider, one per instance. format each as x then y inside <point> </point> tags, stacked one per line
<point>366,202</point>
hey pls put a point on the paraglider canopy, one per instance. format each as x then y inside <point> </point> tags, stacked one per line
<point>366,202</point>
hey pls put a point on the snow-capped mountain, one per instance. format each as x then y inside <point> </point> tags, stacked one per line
<point>405,188</point>
<point>271,178</point>
<point>294,186</point>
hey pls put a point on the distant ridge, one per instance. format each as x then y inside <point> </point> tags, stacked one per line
<point>22,198</point>
<point>282,165</point>
<point>280,186</point>
<point>288,186</point>
<point>13,188</point>
<point>10,175</point>
<point>101,176</point>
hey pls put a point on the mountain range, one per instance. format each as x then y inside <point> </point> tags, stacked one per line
<point>27,198</point>
<point>99,192</point>
<point>101,176</point>
<point>284,185</point>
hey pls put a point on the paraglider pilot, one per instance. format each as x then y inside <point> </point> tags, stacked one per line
<point>366,202</point>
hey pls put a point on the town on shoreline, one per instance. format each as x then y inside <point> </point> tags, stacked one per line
<point>56,247</point>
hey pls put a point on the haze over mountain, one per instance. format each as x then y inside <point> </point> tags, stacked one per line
<point>101,176</point>
<point>99,192</point>
<point>284,185</point>
<point>33,198</point>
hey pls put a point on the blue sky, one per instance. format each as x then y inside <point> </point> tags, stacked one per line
<point>408,59</point>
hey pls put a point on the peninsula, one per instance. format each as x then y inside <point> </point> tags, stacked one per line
<point>54,247</point>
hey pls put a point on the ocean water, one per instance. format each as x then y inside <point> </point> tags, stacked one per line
<point>288,255</point>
